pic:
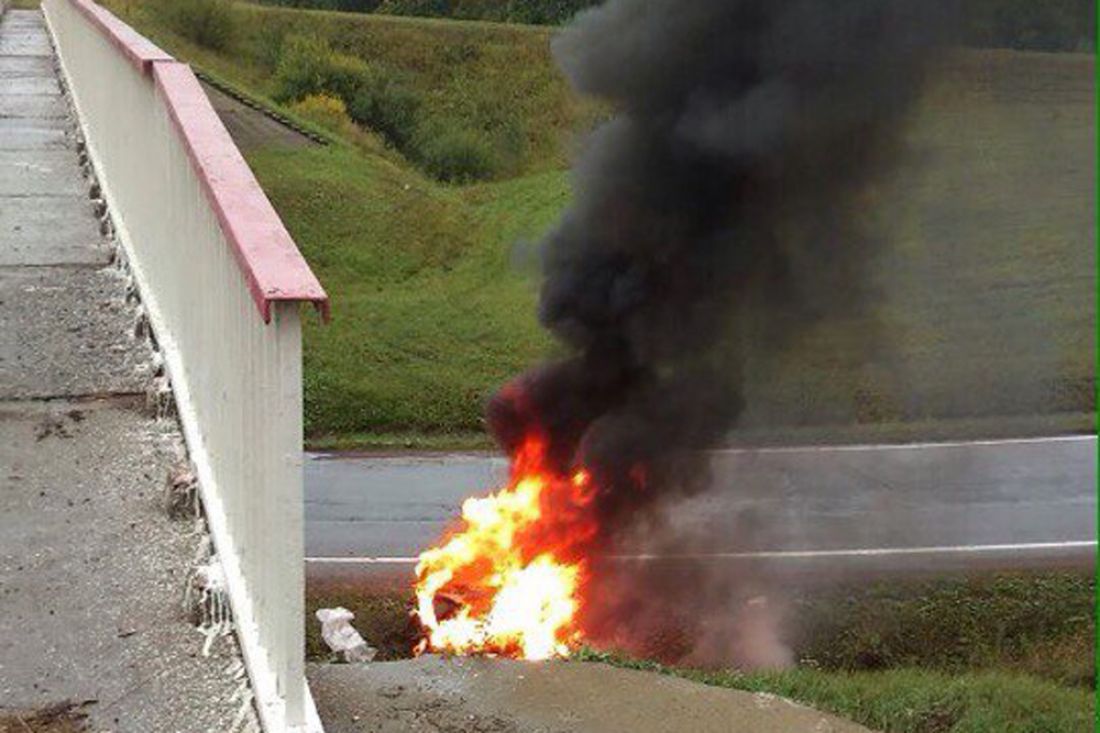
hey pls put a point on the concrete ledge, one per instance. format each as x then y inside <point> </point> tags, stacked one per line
<point>431,694</point>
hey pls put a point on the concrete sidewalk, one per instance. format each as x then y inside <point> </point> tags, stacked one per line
<point>431,694</point>
<point>92,571</point>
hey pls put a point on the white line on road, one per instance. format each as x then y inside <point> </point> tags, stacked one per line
<point>833,448</point>
<point>840,448</point>
<point>782,554</point>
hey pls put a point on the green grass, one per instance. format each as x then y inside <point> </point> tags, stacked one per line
<point>401,442</point>
<point>383,620</point>
<point>913,700</point>
<point>986,319</point>
<point>1040,624</point>
<point>1001,653</point>
<point>498,74</point>
<point>985,324</point>
<point>430,315</point>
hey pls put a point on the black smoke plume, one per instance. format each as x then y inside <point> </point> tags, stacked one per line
<point>721,199</point>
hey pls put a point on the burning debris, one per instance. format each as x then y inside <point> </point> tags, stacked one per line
<point>719,206</point>
<point>509,582</point>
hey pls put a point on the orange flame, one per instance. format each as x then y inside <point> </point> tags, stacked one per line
<point>512,571</point>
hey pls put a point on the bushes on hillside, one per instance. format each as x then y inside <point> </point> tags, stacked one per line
<point>209,23</point>
<point>349,6</point>
<point>267,42</point>
<point>1047,25</point>
<point>307,65</point>
<point>325,110</point>
<point>449,151</point>
<point>470,143</point>
<point>543,12</point>
<point>546,12</point>
<point>387,106</point>
<point>430,8</point>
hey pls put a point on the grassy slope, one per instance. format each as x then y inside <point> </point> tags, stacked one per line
<point>986,321</point>
<point>454,67</point>
<point>986,282</point>
<point>988,654</point>
<point>921,701</point>
<point>1035,623</point>
<point>427,303</point>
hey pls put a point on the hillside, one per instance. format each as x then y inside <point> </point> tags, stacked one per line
<point>496,77</point>
<point>986,314</point>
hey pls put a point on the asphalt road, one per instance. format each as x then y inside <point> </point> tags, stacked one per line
<point>895,507</point>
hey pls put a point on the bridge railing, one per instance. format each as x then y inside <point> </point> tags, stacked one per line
<point>222,282</point>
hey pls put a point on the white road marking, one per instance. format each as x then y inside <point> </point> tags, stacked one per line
<point>841,448</point>
<point>783,554</point>
<point>862,447</point>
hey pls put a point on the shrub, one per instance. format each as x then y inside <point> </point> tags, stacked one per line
<point>209,23</point>
<point>547,12</point>
<point>449,152</point>
<point>268,43</point>
<point>308,65</point>
<point>437,8</point>
<point>384,104</point>
<point>327,111</point>
<point>1051,25</point>
<point>350,6</point>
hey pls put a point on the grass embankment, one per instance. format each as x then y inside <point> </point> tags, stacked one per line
<point>431,313</point>
<point>497,78</point>
<point>1039,624</point>
<point>985,319</point>
<point>985,654</point>
<point>916,700</point>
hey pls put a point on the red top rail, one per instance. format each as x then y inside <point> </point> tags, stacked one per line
<point>138,49</point>
<point>269,259</point>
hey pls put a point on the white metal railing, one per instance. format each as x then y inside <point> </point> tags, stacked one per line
<point>222,282</point>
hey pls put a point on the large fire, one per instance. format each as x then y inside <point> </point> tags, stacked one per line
<point>508,580</point>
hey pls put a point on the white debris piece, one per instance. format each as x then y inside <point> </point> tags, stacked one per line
<point>341,636</point>
<point>211,608</point>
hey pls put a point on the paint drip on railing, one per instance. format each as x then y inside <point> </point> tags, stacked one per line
<point>207,597</point>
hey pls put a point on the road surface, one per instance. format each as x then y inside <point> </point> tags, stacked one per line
<point>1005,503</point>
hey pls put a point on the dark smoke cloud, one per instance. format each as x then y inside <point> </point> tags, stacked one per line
<point>721,200</point>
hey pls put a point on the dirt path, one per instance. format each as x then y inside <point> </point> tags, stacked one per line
<point>250,128</point>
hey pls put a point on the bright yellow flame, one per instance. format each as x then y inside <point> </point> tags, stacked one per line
<point>511,596</point>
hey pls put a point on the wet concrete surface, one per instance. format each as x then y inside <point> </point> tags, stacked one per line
<point>92,571</point>
<point>431,694</point>
<point>25,66</point>
<point>47,231</point>
<point>44,172</point>
<point>30,106</point>
<point>67,331</point>
<point>30,84</point>
<point>22,134</point>
<point>1033,499</point>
